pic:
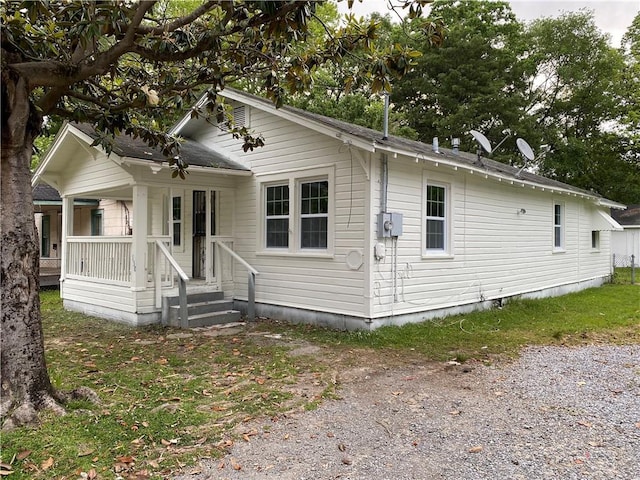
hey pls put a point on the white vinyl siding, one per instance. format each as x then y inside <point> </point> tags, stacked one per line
<point>499,252</point>
<point>310,278</point>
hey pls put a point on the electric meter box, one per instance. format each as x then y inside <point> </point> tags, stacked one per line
<point>389,225</point>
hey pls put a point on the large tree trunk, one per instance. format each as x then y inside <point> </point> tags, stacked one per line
<point>24,381</point>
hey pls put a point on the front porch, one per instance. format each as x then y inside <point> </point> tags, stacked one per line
<point>165,260</point>
<point>100,278</point>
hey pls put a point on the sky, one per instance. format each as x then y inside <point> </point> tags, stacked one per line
<point>611,16</point>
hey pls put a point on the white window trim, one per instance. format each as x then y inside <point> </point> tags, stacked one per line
<point>597,247</point>
<point>294,178</point>
<point>446,183</point>
<point>264,188</point>
<point>300,215</point>
<point>563,227</point>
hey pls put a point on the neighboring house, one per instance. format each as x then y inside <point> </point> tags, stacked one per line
<point>346,228</point>
<point>626,242</point>
<point>91,217</point>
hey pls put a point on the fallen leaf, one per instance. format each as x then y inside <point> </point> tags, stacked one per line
<point>596,444</point>
<point>84,451</point>
<point>342,447</point>
<point>92,474</point>
<point>126,459</point>
<point>397,393</point>
<point>260,380</point>
<point>235,465</point>
<point>5,469</point>
<point>584,423</point>
<point>47,464</point>
<point>454,412</point>
<point>24,454</point>
<point>347,460</point>
<point>476,449</point>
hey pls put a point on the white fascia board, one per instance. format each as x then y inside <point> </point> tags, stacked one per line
<point>50,154</point>
<point>194,168</point>
<point>603,202</point>
<point>433,158</point>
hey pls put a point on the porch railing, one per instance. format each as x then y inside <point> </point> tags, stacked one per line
<point>161,251</point>
<point>100,258</point>
<point>251,274</point>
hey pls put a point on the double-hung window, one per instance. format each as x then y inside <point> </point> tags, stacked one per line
<point>314,214</point>
<point>296,209</point>
<point>558,227</point>
<point>277,216</point>
<point>436,219</point>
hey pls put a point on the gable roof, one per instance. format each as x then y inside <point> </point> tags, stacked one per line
<point>373,140</point>
<point>44,194</point>
<point>192,152</point>
<point>629,217</point>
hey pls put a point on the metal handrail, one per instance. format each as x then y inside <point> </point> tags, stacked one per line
<point>183,278</point>
<point>251,301</point>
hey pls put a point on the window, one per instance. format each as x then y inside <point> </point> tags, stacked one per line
<point>314,214</point>
<point>176,206</point>
<point>297,212</point>
<point>595,239</point>
<point>436,218</point>
<point>558,240</point>
<point>277,215</point>
<point>45,235</point>
<point>96,222</point>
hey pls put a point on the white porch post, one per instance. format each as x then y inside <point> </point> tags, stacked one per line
<point>67,231</point>
<point>139,245</point>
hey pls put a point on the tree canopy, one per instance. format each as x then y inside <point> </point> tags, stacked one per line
<point>129,67</point>
<point>554,81</point>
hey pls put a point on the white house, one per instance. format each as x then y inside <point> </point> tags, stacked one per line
<point>335,224</point>
<point>626,242</point>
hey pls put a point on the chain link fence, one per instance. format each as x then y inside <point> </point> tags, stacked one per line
<point>625,265</point>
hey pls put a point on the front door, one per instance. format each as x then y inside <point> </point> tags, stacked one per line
<point>199,233</point>
<point>203,211</point>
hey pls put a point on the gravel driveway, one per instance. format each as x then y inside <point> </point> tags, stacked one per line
<point>556,413</point>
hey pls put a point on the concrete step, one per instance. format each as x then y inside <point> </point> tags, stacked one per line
<point>203,310</point>
<point>196,297</point>
<point>214,318</point>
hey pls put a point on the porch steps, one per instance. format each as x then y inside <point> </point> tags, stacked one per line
<point>204,309</point>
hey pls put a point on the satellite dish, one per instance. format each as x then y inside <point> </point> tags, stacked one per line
<point>525,149</point>
<point>482,140</point>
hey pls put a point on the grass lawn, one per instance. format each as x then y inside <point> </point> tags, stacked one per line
<point>170,397</point>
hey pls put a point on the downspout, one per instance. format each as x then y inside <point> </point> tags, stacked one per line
<point>384,180</point>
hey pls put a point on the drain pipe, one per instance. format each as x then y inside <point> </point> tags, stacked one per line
<point>385,120</point>
<point>384,180</point>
